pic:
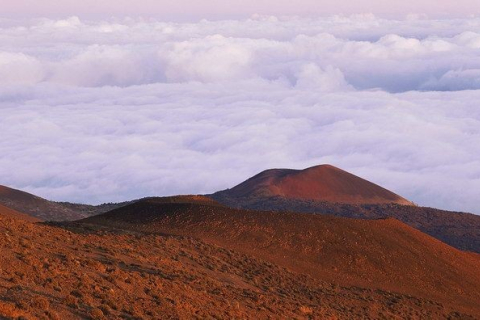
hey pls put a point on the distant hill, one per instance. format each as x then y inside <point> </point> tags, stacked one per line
<point>381,254</point>
<point>461,230</point>
<point>46,210</point>
<point>10,213</point>
<point>35,206</point>
<point>319,183</point>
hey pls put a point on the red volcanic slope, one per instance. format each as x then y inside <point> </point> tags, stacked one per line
<point>380,254</point>
<point>93,272</point>
<point>10,213</point>
<point>320,183</point>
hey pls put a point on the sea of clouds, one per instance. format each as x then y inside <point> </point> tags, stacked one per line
<point>98,111</point>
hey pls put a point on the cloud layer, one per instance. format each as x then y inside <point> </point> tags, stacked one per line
<point>108,111</point>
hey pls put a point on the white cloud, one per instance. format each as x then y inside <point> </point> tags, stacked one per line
<point>455,80</point>
<point>98,66</point>
<point>213,58</point>
<point>367,52</point>
<point>19,68</point>
<point>114,110</point>
<point>310,76</point>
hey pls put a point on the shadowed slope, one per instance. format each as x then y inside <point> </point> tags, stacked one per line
<point>320,183</point>
<point>383,254</point>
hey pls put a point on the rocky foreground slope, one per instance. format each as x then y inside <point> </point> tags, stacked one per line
<point>81,271</point>
<point>378,255</point>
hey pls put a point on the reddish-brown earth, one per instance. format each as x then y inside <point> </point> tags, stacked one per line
<point>458,229</point>
<point>379,255</point>
<point>320,183</point>
<point>85,271</point>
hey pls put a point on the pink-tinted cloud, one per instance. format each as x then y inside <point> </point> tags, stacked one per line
<point>95,111</point>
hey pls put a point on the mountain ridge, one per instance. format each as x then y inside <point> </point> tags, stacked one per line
<point>46,210</point>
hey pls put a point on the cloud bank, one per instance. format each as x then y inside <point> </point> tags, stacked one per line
<point>113,110</point>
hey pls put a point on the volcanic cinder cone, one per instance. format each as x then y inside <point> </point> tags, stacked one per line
<point>319,183</point>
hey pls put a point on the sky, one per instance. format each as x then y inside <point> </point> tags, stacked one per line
<point>103,109</point>
<point>219,9</point>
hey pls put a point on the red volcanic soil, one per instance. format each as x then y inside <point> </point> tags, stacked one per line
<point>85,271</point>
<point>36,206</point>
<point>458,229</point>
<point>320,183</point>
<point>10,213</point>
<point>374,254</point>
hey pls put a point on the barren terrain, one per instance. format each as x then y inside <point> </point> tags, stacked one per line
<point>458,229</point>
<point>383,254</point>
<point>89,272</point>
